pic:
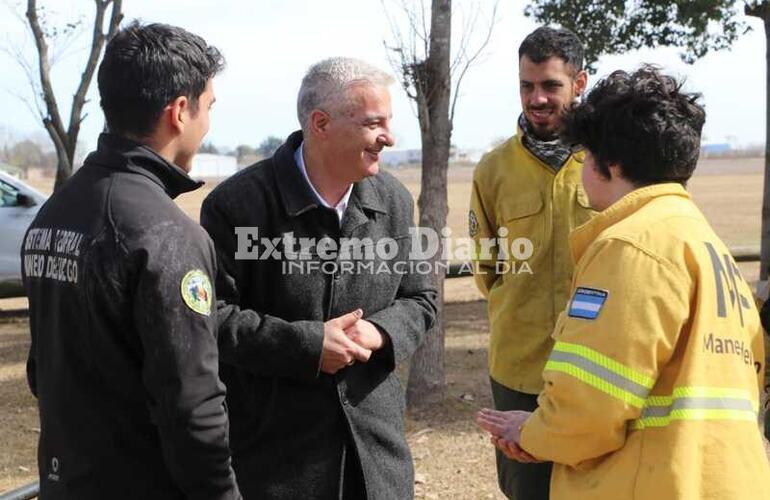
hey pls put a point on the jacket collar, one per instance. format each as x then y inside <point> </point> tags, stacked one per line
<point>581,237</point>
<point>117,152</point>
<point>296,194</point>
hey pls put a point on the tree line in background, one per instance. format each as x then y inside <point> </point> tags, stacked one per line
<point>246,154</point>
<point>28,153</point>
<point>34,152</point>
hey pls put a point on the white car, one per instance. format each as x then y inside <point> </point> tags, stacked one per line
<point>19,204</point>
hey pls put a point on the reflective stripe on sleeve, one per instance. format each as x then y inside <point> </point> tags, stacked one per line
<point>697,403</point>
<point>601,372</point>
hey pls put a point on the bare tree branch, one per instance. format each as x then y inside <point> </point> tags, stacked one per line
<point>54,124</point>
<point>462,47</point>
<point>47,39</point>
<point>31,104</point>
<point>62,41</point>
<point>408,61</point>
<point>58,143</point>
<point>425,33</point>
<point>403,55</point>
<point>470,61</point>
<point>97,43</point>
<point>35,105</point>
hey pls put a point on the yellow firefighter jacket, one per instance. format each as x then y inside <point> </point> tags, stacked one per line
<point>526,275</point>
<point>651,391</point>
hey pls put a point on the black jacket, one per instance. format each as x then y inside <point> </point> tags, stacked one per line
<point>125,371</point>
<point>288,421</point>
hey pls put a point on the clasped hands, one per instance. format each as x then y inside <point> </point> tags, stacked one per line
<point>348,339</point>
<point>504,428</point>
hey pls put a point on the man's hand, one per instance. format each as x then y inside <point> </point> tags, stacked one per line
<point>513,451</point>
<point>338,350</point>
<point>505,430</point>
<point>366,335</point>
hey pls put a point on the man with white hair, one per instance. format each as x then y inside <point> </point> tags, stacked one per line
<point>315,242</point>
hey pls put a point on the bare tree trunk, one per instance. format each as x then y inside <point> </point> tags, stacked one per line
<point>426,374</point>
<point>762,11</point>
<point>765,248</point>
<point>423,60</point>
<point>65,141</point>
<point>764,265</point>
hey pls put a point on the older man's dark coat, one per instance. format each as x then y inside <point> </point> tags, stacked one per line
<point>289,421</point>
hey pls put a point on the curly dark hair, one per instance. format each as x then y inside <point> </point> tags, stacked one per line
<point>545,42</point>
<point>642,122</point>
<point>146,67</point>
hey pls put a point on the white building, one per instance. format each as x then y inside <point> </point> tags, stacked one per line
<point>466,155</point>
<point>207,165</point>
<point>395,158</point>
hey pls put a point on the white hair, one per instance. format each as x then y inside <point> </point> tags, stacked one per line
<point>326,83</point>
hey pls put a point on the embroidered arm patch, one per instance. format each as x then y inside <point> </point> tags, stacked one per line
<point>587,303</point>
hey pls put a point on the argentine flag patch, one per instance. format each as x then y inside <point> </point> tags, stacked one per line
<point>587,303</point>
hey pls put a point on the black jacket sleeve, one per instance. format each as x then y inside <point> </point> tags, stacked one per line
<point>261,344</point>
<point>180,367</point>
<point>32,366</point>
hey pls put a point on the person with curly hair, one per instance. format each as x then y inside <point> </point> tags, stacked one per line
<point>652,388</point>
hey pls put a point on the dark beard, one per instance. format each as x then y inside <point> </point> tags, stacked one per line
<point>549,150</point>
<point>538,132</point>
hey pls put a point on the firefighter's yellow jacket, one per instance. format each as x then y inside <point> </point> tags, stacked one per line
<point>652,388</point>
<point>528,284</point>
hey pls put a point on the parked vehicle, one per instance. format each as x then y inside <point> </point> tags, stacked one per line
<point>19,204</point>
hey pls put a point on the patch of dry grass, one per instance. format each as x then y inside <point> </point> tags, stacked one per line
<point>729,191</point>
<point>19,424</point>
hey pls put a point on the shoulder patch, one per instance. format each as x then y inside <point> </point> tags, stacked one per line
<point>587,303</point>
<point>473,223</point>
<point>196,291</point>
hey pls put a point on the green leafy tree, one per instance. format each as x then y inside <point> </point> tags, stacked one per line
<point>617,26</point>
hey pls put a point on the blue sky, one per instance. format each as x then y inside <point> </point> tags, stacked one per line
<point>270,43</point>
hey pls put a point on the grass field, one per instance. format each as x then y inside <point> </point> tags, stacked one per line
<point>728,191</point>
<point>452,458</point>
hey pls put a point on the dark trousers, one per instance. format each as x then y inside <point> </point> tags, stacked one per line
<point>516,480</point>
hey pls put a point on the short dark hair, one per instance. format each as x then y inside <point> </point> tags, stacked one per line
<point>146,67</point>
<point>545,42</point>
<point>642,122</point>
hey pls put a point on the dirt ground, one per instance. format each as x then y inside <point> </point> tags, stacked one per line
<point>452,458</point>
<point>19,425</point>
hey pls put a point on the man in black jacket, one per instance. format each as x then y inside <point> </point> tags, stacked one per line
<point>124,357</point>
<point>315,242</point>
